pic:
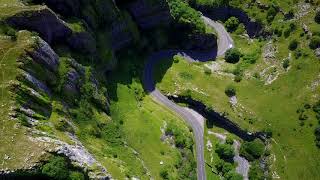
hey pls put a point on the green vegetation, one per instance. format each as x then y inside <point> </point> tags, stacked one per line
<point>252,150</point>
<point>293,45</point>
<point>186,15</point>
<point>225,151</point>
<point>58,168</point>
<point>232,24</point>
<point>314,42</point>
<point>230,91</point>
<point>232,55</point>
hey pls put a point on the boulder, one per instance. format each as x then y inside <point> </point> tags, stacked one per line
<point>317,52</point>
<point>71,85</point>
<point>45,56</point>
<point>44,21</point>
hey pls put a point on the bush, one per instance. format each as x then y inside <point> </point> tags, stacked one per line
<point>74,175</point>
<point>314,42</point>
<point>252,150</point>
<point>223,167</point>
<point>317,17</point>
<point>164,174</point>
<point>272,12</point>
<point>232,24</point>
<point>293,45</point>
<point>225,151</point>
<point>230,91</point>
<point>231,175</point>
<point>232,55</point>
<point>286,63</point>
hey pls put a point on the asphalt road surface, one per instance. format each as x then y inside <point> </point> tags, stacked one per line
<point>224,43</point>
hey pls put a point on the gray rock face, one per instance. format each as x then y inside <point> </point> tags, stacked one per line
<point>202,42</point>
<point>37,84</point>
<point>71,85</point>
<point>82,42</point>
<point>43,21</point>
<point>149,15</point>
<point>45,56</point>
<point>121,37</point>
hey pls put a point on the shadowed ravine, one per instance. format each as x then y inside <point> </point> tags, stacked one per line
<point>224,42</point>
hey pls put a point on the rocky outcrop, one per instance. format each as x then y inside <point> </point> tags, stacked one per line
<point>82,42</point>
<point>216,118</point>
<point>223,13</point>
<point>120,35</point>
<point>37,83</point>
<point>63,7</point>
<point>43,21</point>
<point>44,55</point>
<point>149,15</point>
<point>71,85</point>
<point>202,42</point>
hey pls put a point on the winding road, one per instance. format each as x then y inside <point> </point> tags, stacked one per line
<point>224,42</point>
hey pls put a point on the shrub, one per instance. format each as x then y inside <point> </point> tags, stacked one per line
<point>164,174</point>
<point>230,91</point>
<point>232,55</point>
<point>252,150</point>
<point>232,175</point>
<point>237,78</point>
<point>232,24</point>
<point>207,71</point>
<point>293,45</point>
<point>56,168</point>
<point>272,12</point>
<point>225,151</point>
<point>314,42</point>
<point>74,175</point>
<point>286,63</point>
<point>317,17</point>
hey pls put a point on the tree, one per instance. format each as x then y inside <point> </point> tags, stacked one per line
<point>317,17</point>
<point>314,42</point>
<point>225,151</point>
<point>231,175</point>
<point>272,12</point>
<point>230,91</point>
<point>56,168</point>
<point>293,45</point>
<point>252,150</point>
<point>232,24</point>
<point>232,55</point>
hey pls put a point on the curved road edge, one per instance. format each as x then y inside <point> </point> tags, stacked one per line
<point>224,42</point>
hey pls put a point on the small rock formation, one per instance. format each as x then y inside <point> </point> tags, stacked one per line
<point>43,21</point>
<point>36,83</point>
<point>45,56</point>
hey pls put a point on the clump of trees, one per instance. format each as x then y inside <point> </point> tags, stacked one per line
<point>225,151</point>
<point>252,150</point>
<point>232,55</point>
<point>271,13</point>
<point>232,24</point>
<point>58,168</point>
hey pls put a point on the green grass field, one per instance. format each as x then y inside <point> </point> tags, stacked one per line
<point>16,150</point>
